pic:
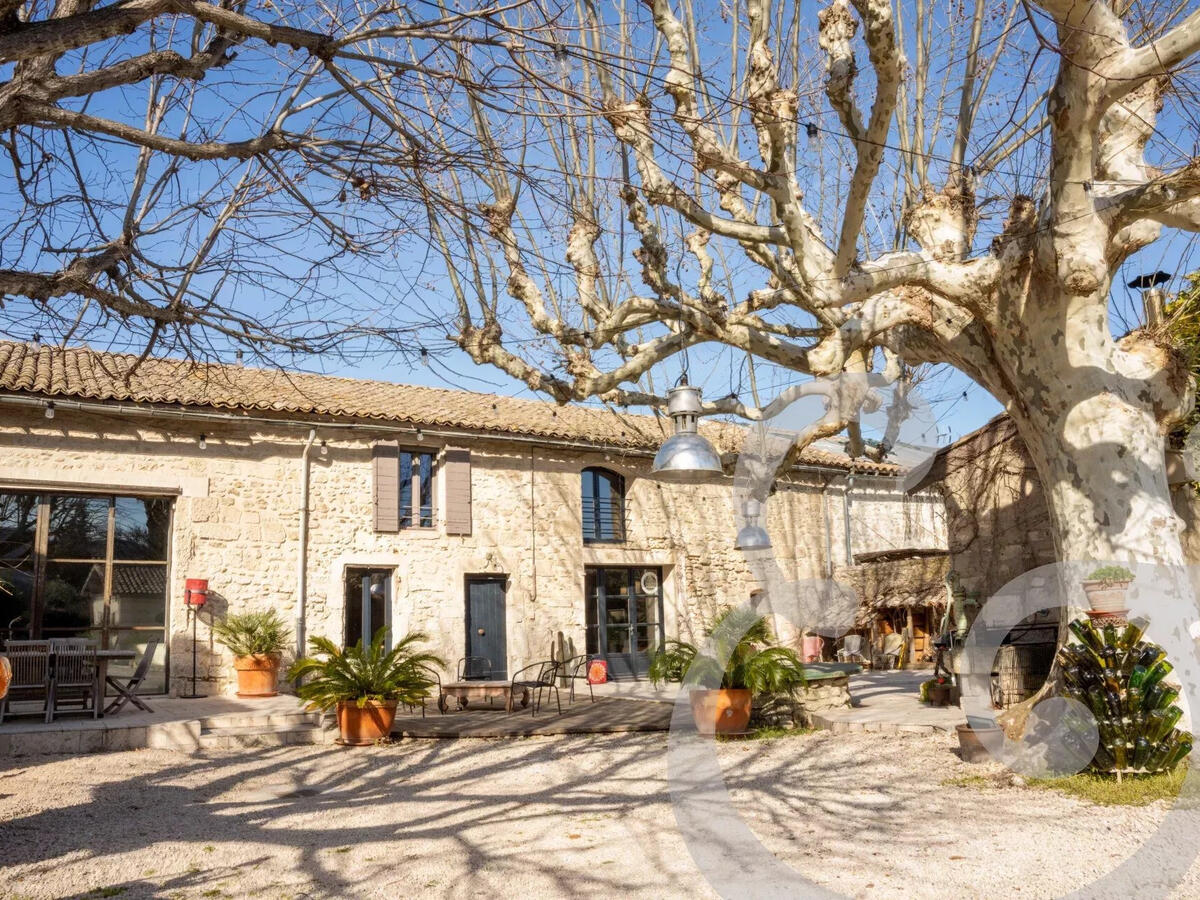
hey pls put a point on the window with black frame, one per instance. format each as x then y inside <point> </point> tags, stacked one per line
<point>86,565</point>
<point>603,506</point>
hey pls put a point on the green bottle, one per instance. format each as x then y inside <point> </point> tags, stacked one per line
<point>1110,635</point>
<point>1134,629</point>
<point>1120,757</point>
<point>1158,755</point>
<point>1141,753</point>
<point>1085,633</point>
<point>1157,673</point>
<point>1179,753</point>
<point>1170,718</point>
<point>1133,701</point>
<point>1151,655</point>
<point>1096,701</point>
<point>1165,695</point>
<point>1104,757</point>
<point>1137,676</point>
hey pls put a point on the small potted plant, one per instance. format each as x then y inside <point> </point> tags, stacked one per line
<point>365,684</point>
<point>1105,589</point>
<point>257,641</point>
<point>753,667</point>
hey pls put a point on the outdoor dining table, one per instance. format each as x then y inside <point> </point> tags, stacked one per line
<point>466,691</point>
<point>103,658</point>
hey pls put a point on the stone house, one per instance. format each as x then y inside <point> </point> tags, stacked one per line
<point>494,525</point>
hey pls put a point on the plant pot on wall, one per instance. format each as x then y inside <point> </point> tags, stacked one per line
<point>366,724</point>
<point>725,711</point>
<point>1106,597</point>
<point>257,675</point>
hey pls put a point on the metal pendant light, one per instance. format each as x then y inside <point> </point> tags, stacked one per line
<point>686,457</point>
<point>752,536</point>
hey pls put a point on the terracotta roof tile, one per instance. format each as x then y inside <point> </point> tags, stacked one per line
<point>85,374</point>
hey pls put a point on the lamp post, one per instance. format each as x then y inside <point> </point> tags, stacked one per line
<point>195,595</point>
<point>686,457</point>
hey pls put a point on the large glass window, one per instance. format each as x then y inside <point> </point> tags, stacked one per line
<point>86,565</point>
<point>603,506</point>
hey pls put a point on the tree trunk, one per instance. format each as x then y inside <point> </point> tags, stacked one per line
<point>1103,472</point>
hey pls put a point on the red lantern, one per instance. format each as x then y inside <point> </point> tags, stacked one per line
<point>195,591</point>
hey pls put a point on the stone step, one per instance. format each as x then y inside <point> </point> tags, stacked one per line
<point>236,720</point>
<point>232,737</point>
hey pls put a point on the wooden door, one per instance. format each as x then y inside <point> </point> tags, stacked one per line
<point>486,635</point>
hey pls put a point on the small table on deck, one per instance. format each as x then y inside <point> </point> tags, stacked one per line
<point>466,691</point>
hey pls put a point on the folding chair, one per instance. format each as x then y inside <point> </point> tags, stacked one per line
<point>30,662</point>
<point>127,692</point>
<point>76,676</point>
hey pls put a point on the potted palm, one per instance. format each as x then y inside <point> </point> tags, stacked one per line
<point>753,667</point>
<point>257,641</point>
<point>365,684</point>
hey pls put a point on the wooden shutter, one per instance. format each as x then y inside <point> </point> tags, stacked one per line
<point>456,470</point>
<point>385,461</point>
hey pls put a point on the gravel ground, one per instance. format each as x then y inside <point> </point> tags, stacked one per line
<point>865,815</point>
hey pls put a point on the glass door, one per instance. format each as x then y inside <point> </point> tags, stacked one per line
<point>624,617</point>
<point>87,565</point>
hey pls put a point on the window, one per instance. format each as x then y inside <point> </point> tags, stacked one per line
<point>603,506</point>
<point>416,489</point>
<point>87,565</point>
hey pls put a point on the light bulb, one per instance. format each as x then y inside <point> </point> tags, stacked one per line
<point>420,435</point>
<point>50,410</point>
<point>324,448</point>
<point>424,357</point>
<point>203,444</point>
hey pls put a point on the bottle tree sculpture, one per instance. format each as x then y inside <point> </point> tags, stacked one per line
<point>1120,678</point>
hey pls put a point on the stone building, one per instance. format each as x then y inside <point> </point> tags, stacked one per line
<point>492,524</point>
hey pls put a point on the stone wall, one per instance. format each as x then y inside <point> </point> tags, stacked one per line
<point>236,522</point>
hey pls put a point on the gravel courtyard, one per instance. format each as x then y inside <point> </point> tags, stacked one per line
<point>865,815</point>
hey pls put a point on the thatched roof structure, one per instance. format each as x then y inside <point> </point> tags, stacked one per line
<point>908,583</point>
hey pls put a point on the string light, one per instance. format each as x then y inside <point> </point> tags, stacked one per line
<point>203,442</point>
<point>424,357</point>
<point>49,409</point>
<point>324,448</point>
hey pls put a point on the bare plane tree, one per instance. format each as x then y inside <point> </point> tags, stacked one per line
<point>826,218</point>
<point>193,175</point>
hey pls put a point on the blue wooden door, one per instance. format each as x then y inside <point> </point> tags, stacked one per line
<point>485,626</point>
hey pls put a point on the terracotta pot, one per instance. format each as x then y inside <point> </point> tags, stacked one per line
<point>366,724</point>
<point>257,675</point>
<point>726,711</point>
<point>1106,596</point>
<point>971,748</point>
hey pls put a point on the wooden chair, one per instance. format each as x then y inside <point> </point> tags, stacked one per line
<point>75,677</point>
<point>30,662</point>
<point>545,679</point>
<point>127,692</point>
<point>575,669</point>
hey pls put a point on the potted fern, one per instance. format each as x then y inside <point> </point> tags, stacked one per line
<point>365,684</point>
<point>257,641</point>
<point>754,667</point>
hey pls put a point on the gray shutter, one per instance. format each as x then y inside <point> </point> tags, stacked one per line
<point>385,461</point>
<point>456,470</point>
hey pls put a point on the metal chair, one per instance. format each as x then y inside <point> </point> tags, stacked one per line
<point>575,669</point>
<point>30,662</point>
<point>474,667</point>
<point>127,692</point>
<point>75,676</point>
<point>546,679</point>
<point>436,679</point>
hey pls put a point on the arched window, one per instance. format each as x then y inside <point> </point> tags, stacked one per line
<point>603,506</point>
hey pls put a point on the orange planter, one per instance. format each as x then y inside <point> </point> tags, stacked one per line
<point>726,711</point>
<point>366,724</point>
<point>257,675</point>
